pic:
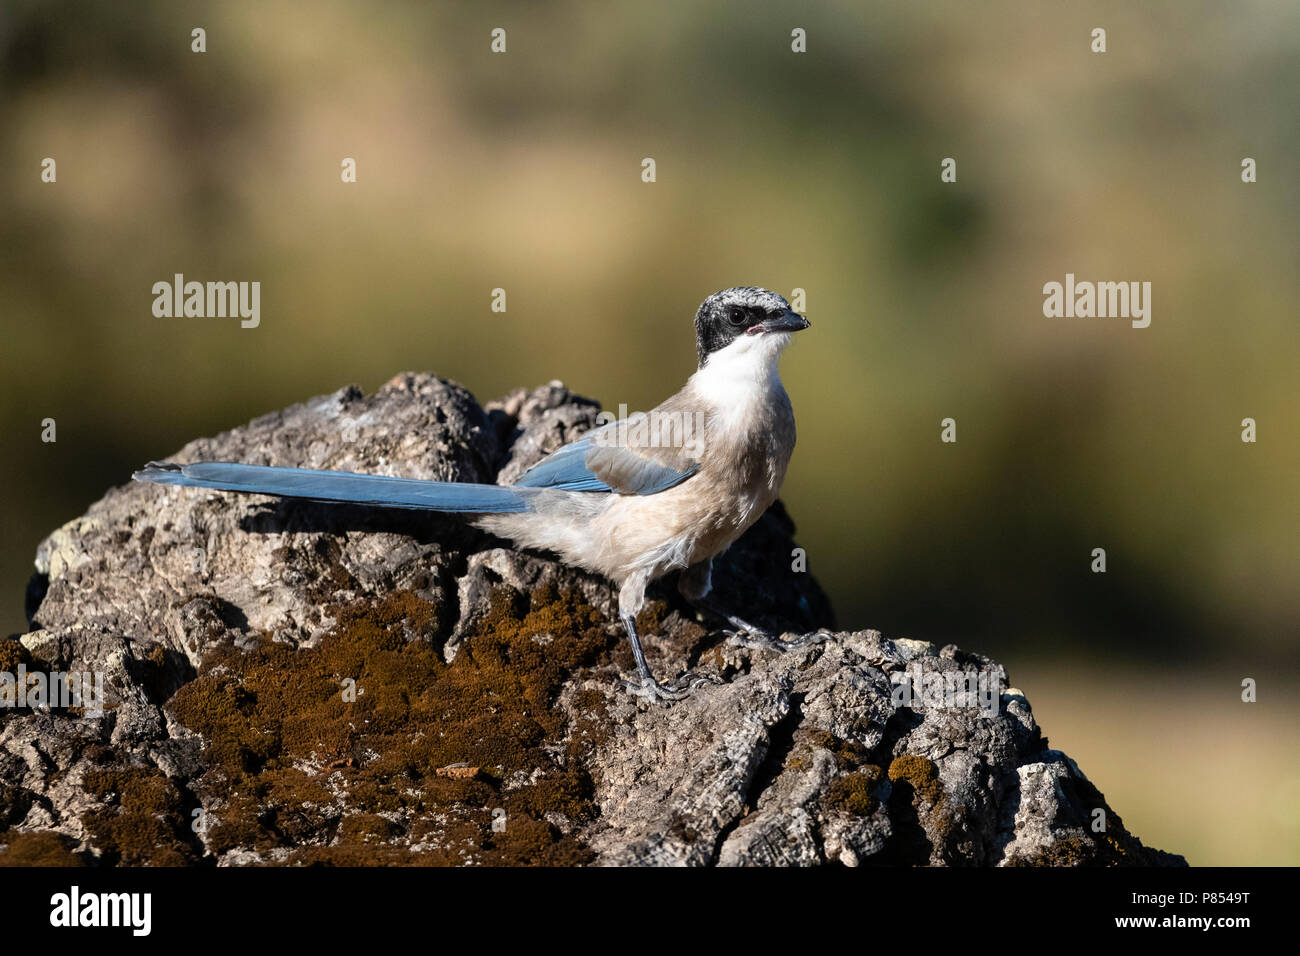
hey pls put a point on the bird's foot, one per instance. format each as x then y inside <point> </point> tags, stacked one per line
<point>648,689</point>
<point>755,638</point>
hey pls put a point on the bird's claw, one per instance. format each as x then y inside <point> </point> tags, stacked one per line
<point>649,689</point>
<point>757,639</point>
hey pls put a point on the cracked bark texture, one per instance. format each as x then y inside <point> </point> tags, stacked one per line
<point>497,737</point>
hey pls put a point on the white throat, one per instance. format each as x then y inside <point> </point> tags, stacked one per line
<point>745,372</point>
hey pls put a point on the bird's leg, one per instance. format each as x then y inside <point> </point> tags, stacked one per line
<point>646,687</point>
<point>696,585</point>
<point>753,637</point>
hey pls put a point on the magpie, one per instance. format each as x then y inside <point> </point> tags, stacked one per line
<point>633,499</point>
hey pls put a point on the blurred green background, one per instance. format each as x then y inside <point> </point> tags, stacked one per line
<point>818,171</point>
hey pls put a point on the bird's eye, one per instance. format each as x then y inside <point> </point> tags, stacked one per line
<point>736,315</point>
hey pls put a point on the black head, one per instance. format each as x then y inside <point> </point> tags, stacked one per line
<point>745,310</point>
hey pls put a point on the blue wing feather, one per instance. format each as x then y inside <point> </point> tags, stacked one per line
<point>588,464</point>
<point>378,490</point>
<point>567,469</point>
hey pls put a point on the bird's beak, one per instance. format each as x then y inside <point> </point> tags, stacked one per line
<point>788,321</point>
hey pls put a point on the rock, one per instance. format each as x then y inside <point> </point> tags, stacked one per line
<point>288,682</point>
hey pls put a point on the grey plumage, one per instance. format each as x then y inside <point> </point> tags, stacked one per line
<point>619,501</point>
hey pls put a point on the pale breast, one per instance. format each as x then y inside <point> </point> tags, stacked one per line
<point>748,437</point>
<point>742,465</point>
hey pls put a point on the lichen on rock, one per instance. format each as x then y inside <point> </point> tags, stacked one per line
<point>299,683</point>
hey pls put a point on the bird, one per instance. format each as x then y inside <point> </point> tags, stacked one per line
<point>633,499</point>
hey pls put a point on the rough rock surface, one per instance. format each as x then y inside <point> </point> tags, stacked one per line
<point>290,682</point>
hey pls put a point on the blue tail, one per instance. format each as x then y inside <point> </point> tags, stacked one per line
<point>375,490</point>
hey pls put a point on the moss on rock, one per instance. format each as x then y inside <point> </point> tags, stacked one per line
<point>287,739</point>
<point>38,848</point>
